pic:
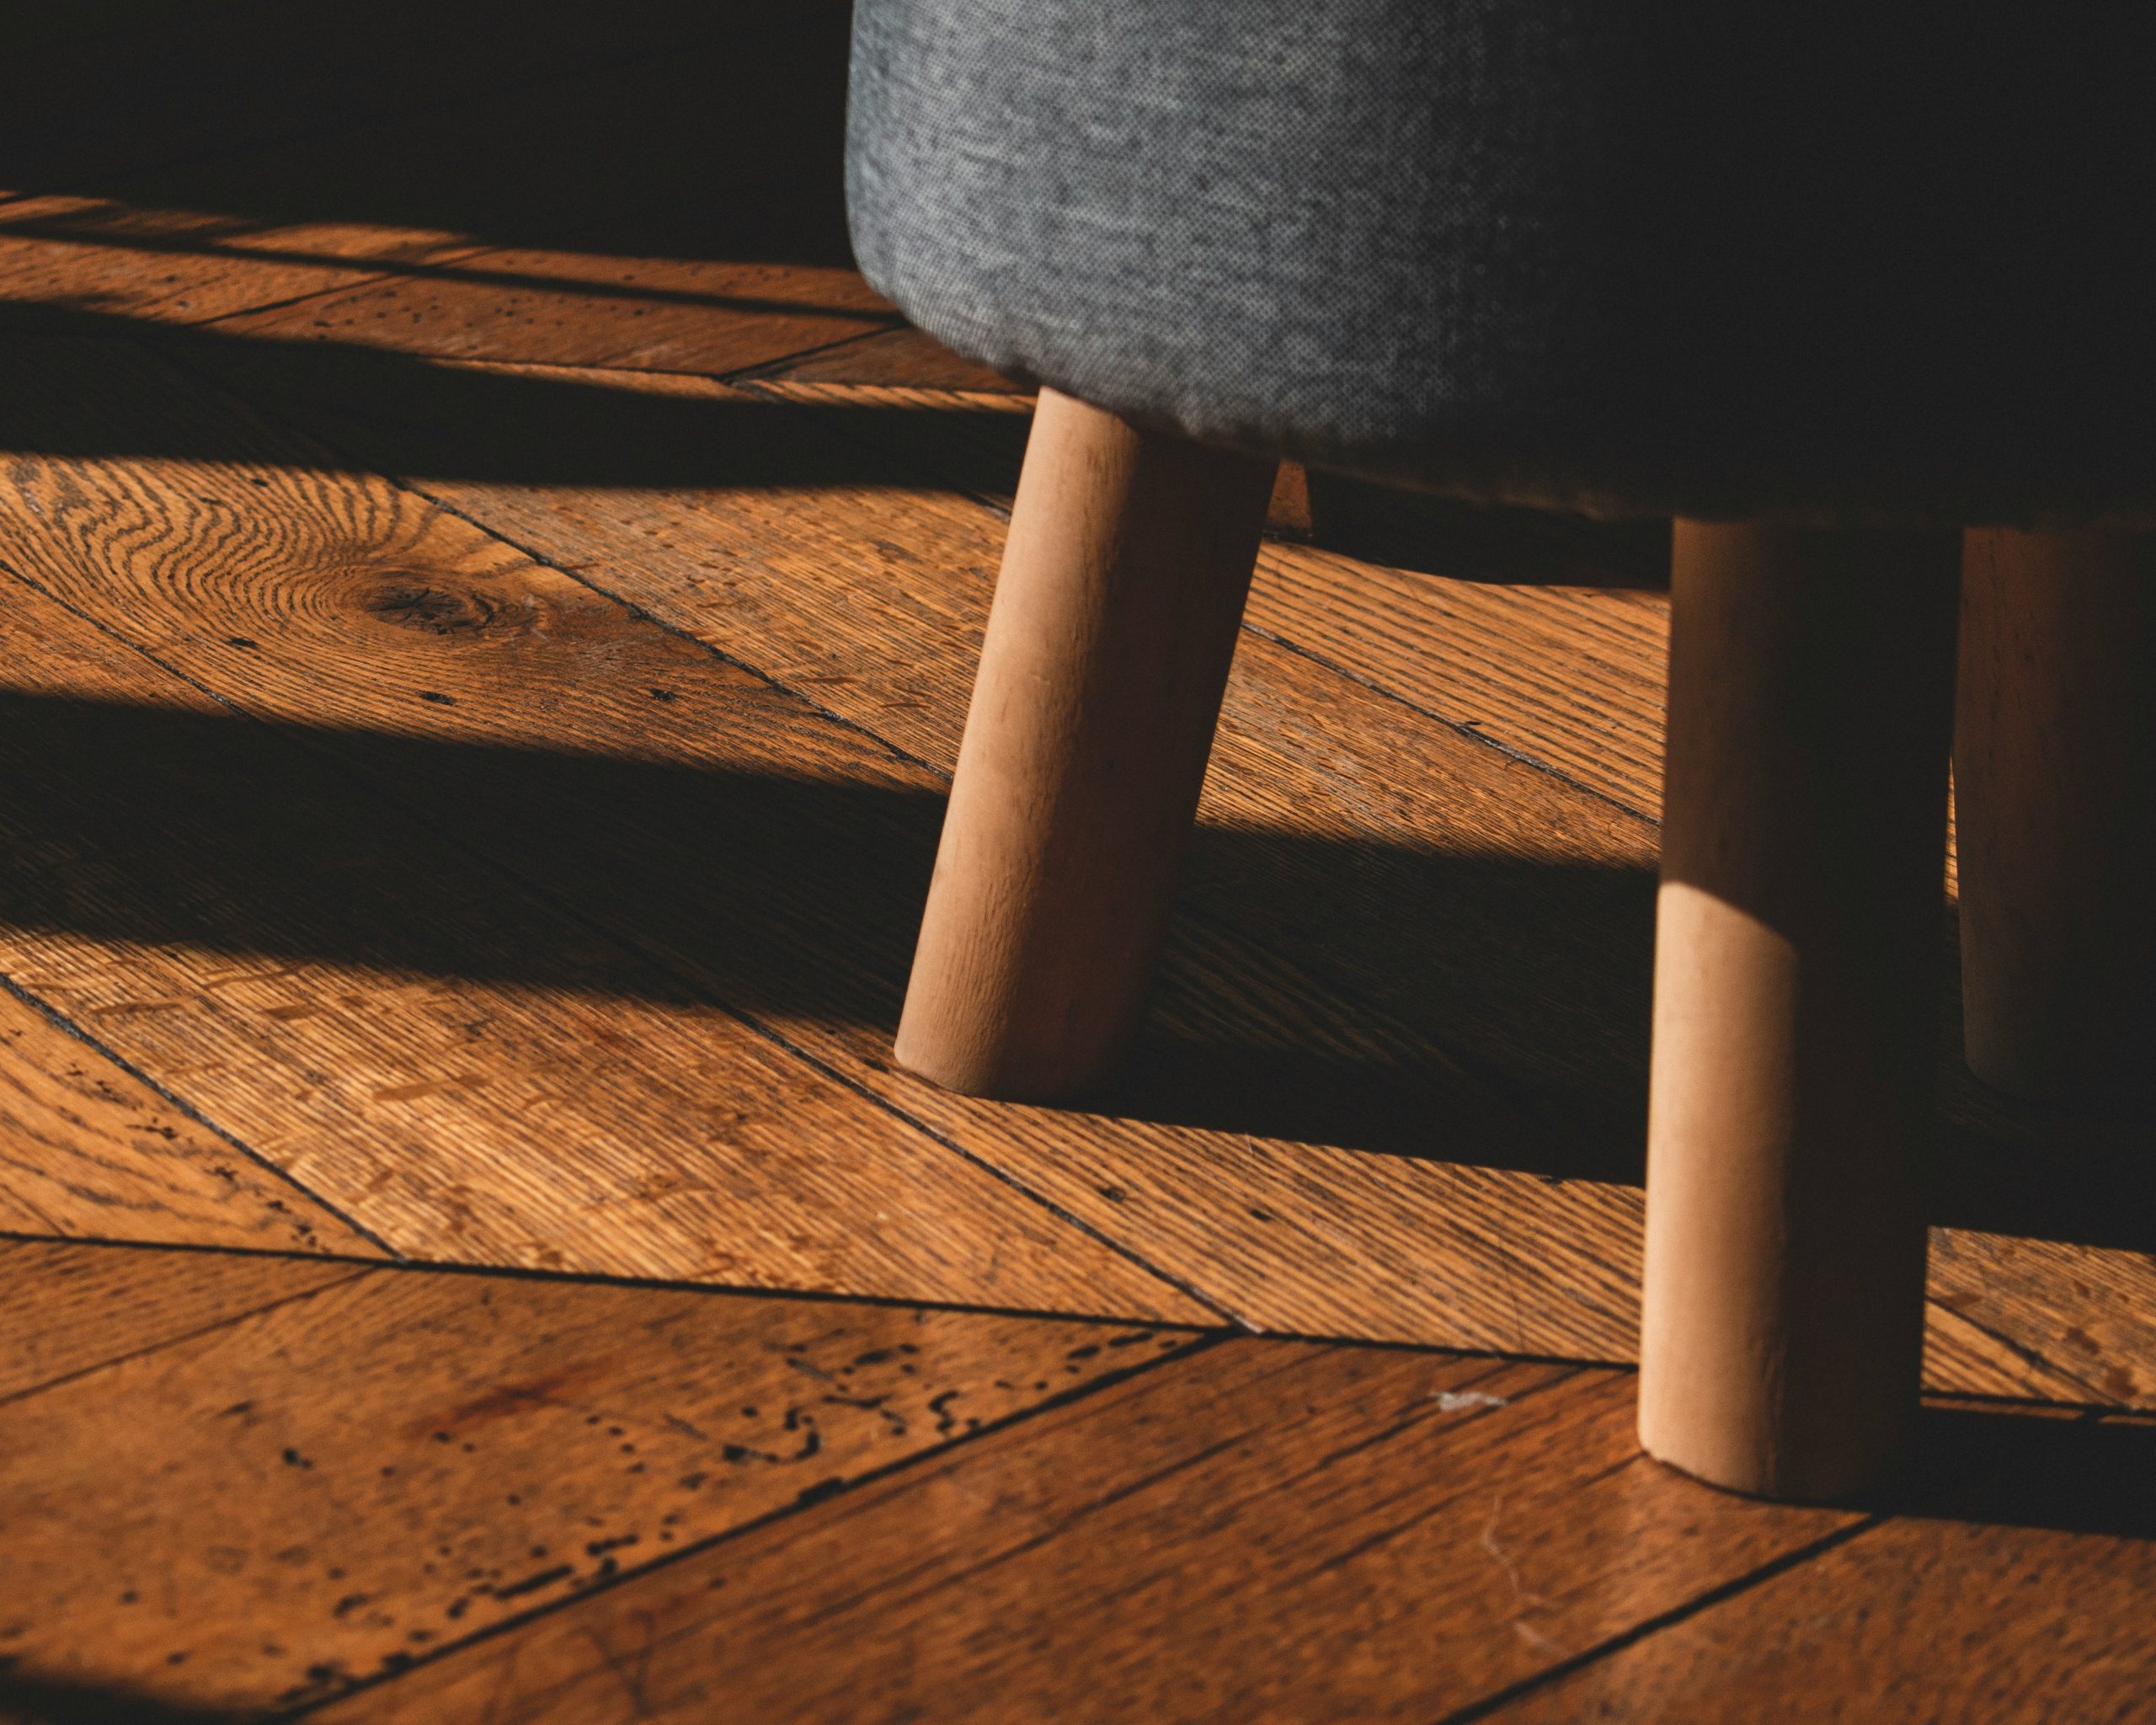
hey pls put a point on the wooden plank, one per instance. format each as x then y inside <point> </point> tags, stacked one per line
<point>1566,675</point>
<point>87,1150</point>
<point>1264,1530</point>
<point>903,358</point>
<point>106,258</point>
<point>415,1037</point>
<point>1267,1094</point>
<point>270,1511</point>
<point>591,307</point>
<point>2087,1314</point>
<point>2017,1592</point>
<point>74,1308</point>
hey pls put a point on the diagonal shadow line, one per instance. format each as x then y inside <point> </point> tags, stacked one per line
<point>798,898</point>
<point>391,268</point>
<point>445,419</point>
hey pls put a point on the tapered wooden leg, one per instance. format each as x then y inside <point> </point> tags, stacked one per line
<point>2055,794</point>
<point>1108,649</point>
<point>1811,696</point>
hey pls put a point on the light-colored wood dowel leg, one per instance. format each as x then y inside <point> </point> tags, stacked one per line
<point>2055,793</point>
<point>1798,950</point>
<point>1107,650</point>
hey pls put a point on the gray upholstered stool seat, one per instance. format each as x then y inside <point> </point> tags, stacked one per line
<point>1834,262</point>
<point>1830,285</point>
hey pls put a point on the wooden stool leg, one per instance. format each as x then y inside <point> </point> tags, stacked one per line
<point>2055,793</point>
<point>1811,695</point>
<point>1107,650</point>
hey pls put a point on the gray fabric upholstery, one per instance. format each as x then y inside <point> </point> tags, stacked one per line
<point>1844,262</point>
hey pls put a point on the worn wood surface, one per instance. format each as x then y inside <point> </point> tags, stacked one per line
<point>280,1504</point>
<point>1263,1530</point>
<point>1391,1087</point>
<point>641,870</point>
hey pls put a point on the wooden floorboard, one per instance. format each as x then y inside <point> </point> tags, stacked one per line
<point>88,1150</point>
<point>72,1308</point>
<point>834,880</point>
<point>261,1507</point>
<point>1263,1530</point>
<point>490,599</point>
<point>413,1037</point>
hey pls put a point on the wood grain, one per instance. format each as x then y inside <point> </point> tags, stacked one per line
<point>1309,1160</point>
<point>2021,1597</point>
<point>87,1150</point>
<point>1263,1530</point>
<point>74,1308</point>
<point>272,1509</point>
<point>115,259</point>
<point>868,592</point>
<point>415,1037</point>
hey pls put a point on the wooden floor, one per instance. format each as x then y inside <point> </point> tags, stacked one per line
<point>489,599</point>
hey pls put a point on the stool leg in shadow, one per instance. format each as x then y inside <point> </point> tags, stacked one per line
<point>1107,650</point>
<point>2055,789</point>
<point>1811,702</point>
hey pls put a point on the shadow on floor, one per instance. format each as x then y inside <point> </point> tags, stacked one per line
<point>26,1700</point>
<point>2073,1473</point>
<point>509,123</point>
<point>1315,990</point>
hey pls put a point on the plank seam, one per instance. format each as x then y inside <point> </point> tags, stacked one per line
<point>67,1027</point>
<point>675,1285</point>
<point>359,1272</point>
<point>1640,1632</point>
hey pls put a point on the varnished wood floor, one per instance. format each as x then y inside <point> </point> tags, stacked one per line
<point>489,598</point>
